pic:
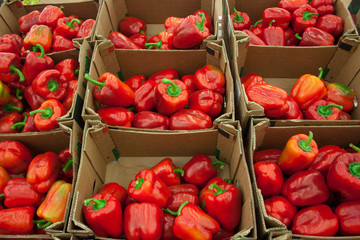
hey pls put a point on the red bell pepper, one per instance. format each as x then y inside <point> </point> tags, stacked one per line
<point>299,153</point>
<point>27,125</point>
<point>68,69</point>
<point>121,41</point>
<point>323,6</point>
<point>332,24</point>
<point>270,155</point>
<point>135,82</point>
<point>325,158</point>
<point>175,200</point>
<point>27,21</point>
<point>191,32</point>
<point>15,157</point>
<point>269,178</point>
<point>257,28</point>
<point>19,193</point>
<point>46,115</point>
<point>116,190</point>
<point>67,27</point>
<point>4,93</point>
<point>170,96</point>
<point>348,213</point>
<point>144,96</point>
<point>316,220</point>
<point>67,163</point>
<point>308,89</point>
<point>9,43</point>
<point>163,41</point>
<point>184,188</point>
<point>273,35</point>
<point>190,119</point>
<point>104,215</point>
<point>151,120</point>
<point>168,172</point>
<point>49,85</point>
<point>168,73</point>
<point>13,105</point>
<point>294,111</point>
<point>85,28</point>
<point>139,39</point>
<point>313,36</point>
<point>50,15</point>
<point>281,16</point>
<point>344,116</point>
<point>132,25</point>
<point>61,43</point>
<point>171,23</point>
<point>290,38</point>
<point>199,170</point>
<point>116,116</point>
<point>111,91</point>
<point>323,110</point>
<point>38,34</point>
<point>167,233</point>
<point>240,20</point>
<point>143,221</point>
<point>147,187</point>
<point>304,17</point>
<point>280,208</point>
<point>251,79</point>
<point>192,221</point>
<point>4,178</point>
<point>33,98</point>
<point>189,81</point>
<point>208,20</point>
<point>210,77</point>
<point>291,5</point>
<point>17,220</point>
<point>206,101</point>
<point>69,98</point>
<point>10,67</point>
<point>7,121</point>
<point>340,94</point>
<point>222,201</point>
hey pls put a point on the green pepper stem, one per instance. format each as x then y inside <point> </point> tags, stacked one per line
<point>39,221</point>
<point>308,15</point>
<point>179,171</point>
<point>325,110</point>
<point>218,189</point>
<point>173,90</point>
<point>45,225</point>
<point>139,183</point>
<point>71,23</point>
<point>68,165</point>
<point>305,145</point>
<point>227,180</point>
<point>61,8</point>
<point>297,35</point>
<point>16,70</point>
<point>2,195</point>
<point>45,113</point>
<point>18,125</point>
<point>42,54</point>
<point>321,73</point>
<point>18,93</point>
<point>260,21</point>
<point>271,23</point>
<point>218,162</point>
<point>354,169</point>
<point>52,85</point>
<point>354,147</point>
<point>9,107</point>
<point>167,210</point>
<point>76,72</point>
<point>238,18</point>
<point>200,25</point>
<point>181,207</point>
<point>157,44</point>
<point>96,204</point>
<point>100,84</point>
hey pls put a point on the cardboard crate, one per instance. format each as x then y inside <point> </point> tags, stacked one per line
<point>112,155</point>
<point>128,63</point>
<point>262,136</point>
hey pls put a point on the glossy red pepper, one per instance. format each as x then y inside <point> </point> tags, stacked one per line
<point>332,24</point>
<point>190,119</point>
<point>67,163</point>
<point>175,200</point>
<point>163,41</point>
<point>13,105</point>
<point>294,111</point>
<point>69,98</point>
<point>290,38</point>
<point>304,17</point>
<point>144,96</point>
<point>257,28</point>
<point>85,28</point>
<point>348,213</point>
<point>116,116</point>
<point>27,125</point>
<point>33,98</point>
<point>325,158</point>
<point>323,6</point>
<point>280,208</point>
<point>210,77</point>
<point>168,172</point>
<point>11,43</point>
<point>167,233</point>
<point>271,155</point>
<point>184,188</point>
<point>251,79</point>
<point>4,178</point>
<point>7,121</point>
<point>121,41</point>
<point>344,116</point>
<point>189,81</point>
<point>135,82</point>
<point>116,190</point>
<point>323,110</point>
<point>132,25</point>
<point>46,115</point>
<point>313,36</point>
<point>273,35</point>
<point>281,16</point>
<point>291,5</point>
<point>171,23</point>
<point>49,85</point>
<point>10,66</point>
<point>269,178</point>
<point>61,43</point>
<point>208,20</point>
<point>38,34</point>
<point>340,94</point>
<point>139,39</point>
<point>15,157</point>
<point>68,69</point>
<point>240,20</point>
<point>28,20</point>
<point>168,73</point>
<point>151,120</point>
<point>206,101</point>
<point>67,27</point>
<point>17,220</point>
<point>50,15</point>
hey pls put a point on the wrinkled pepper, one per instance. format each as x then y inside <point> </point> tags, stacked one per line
<point>116,116</point>
<point>28,20</point>
<point>189,81</point>
<point>68,68</point>
<point>251,79</point>
<point>45,117</point>
<point>206,101</point>
<point>151,120</point>
<point>323,6</point>
<point>294,111</point>
<point>313,36</point>
<point>348,213</point>
<point>85,28</point>
<point>135,82</point>
<point>167,233</point>
<point>15,157</point>
<point>210,77</point>
<point>33,98</point>
<point>61,43</point>
<point>10,66</point>
<point>280,16</point>
<point>340,94</point>
<point>240,20</point>
<point>175,200</point>
<point>273,35</point>
<point>269,178</point>
<point>325,158</point>
<point>280,208</point>
<point>254,39</point>
<point>332,24</point>
<point>171,23</point>
<point>139,39</point>
<point>190,119</point>
<point>9,43</point>
<point>50,15</point>
<point>168,172</point>
<point>323,110</point>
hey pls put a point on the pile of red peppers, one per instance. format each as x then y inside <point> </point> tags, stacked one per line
<point>162,101</point>
<point>166,202</point>
<point>310,98</point>
<point>313,191</point>
<point>293,23</point>
<point>37,200</point>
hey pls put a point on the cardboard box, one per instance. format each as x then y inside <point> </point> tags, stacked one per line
<point>128,63</point>
<point>112,155</point>
<point>69,135</point>
<point>263,136</point>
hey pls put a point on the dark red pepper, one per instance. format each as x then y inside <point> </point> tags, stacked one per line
<point>67,163</point>
<point>290,38</point>
<point>116,116</point>
<point>269,178</point>
<point>150,120</point>
<point>139,39</point>
<point>175,200</point>
<point>332,24</point>
<point>190,119</point>
<point>167,233</point>
<point>10,66</point>
<point>33,98</point>
<point>206,101</point>
<point>294,111</point>
<point>271,155</point>
<point>28,20</point>
<point>313,36</point>
<point>323,6</point>
<point>325,158</point>
<point>121,41</point>
<point>7,121</point>
<point>132,25</point>
<point>50,15</point>
<point>280,208</point>
<point>69,98</point>
<point>348,213</point>
<point>189,81</point>
<point>184,188</point>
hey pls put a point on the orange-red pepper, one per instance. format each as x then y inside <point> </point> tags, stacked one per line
<point>38,34</point>
<point>46,115</point>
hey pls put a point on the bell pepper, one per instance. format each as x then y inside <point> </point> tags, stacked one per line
<point>16,39</point>
<point>46,115</point>
<point>68,68</point>
<point>43,171</point>
<point>38,34</point>
<point>49,85</point>
<point>135,82</point>
<point>222,201</point>
<point>291,5</point>
<point>85,28</point>
<point>323,110</point>
<point>168,172</point>
<point>143,221</point>
<point>52,209</point>
<point>189,81</point>
<point>184,188</point>
<point>168,73</point>
<point>170,96</point>
<point>316,220</point>
<point>323,6</point>
<point>144,96</point>
<point>344,116</point>
<point>208,20</point>
<point>61,43</point>
<point>343,175</point>
<point>269,178</point>
<point>148,187</point>
<point>10,67</point>
<point>28,20</point>
<point>313,36</point>
<point>223,235</point>
<point>191,32</point>
<point>304,17</point>
<point>35,63</point>
<point>281,16</point>
<point>19,193</point>
<point>111,91</point>
<point>50,15</point>
<point>193,223</point>
<point>190,119</point>
<point>199,170</point>
<point>332,24</point>
<point>27,125</point>
<point>9,44</point>
<point>67,163</point>
<point>167,233</point>
<point>67,27</point>
<point>340,94</point>
<point>270,155</point>
<point>257,28</point>
<point>206,101</point>
<point>116,116</point>
<point>104,215</point>
<point>4,178</point>
<point>69,98</point>
<point>240,20</point>
<point>294,111</point>
<point>132,25</point>
<point>175,200</point>
<point>17,220</point>
<point>210,77</point>
<point>33,98</point>
<point>273,35</point>
<point>325,158</point>
<point>308,89</point>
<point>150,120</point>
<point>348,213</point>
<point>13,105</point>
<point>116,190</point>
<point>139,39</point>
<point>121,41</point>
<point>280,208</point>
<point>251,79</point>
<point>163,41</point>
<point>290,38</point>
<point>299,153</point>
<point>7,121</point>
<point>15,157</point>
<point>4,93</point>
<point>171,23</point>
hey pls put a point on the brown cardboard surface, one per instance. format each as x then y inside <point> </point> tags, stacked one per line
<point>129,151</point>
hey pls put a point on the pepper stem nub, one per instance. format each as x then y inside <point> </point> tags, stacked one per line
<point>45,113</point>
<point>95,203</point>
<point>200,25</point>
<point>305,145</point>
<point>238,18</point>
<point>173,90</point>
